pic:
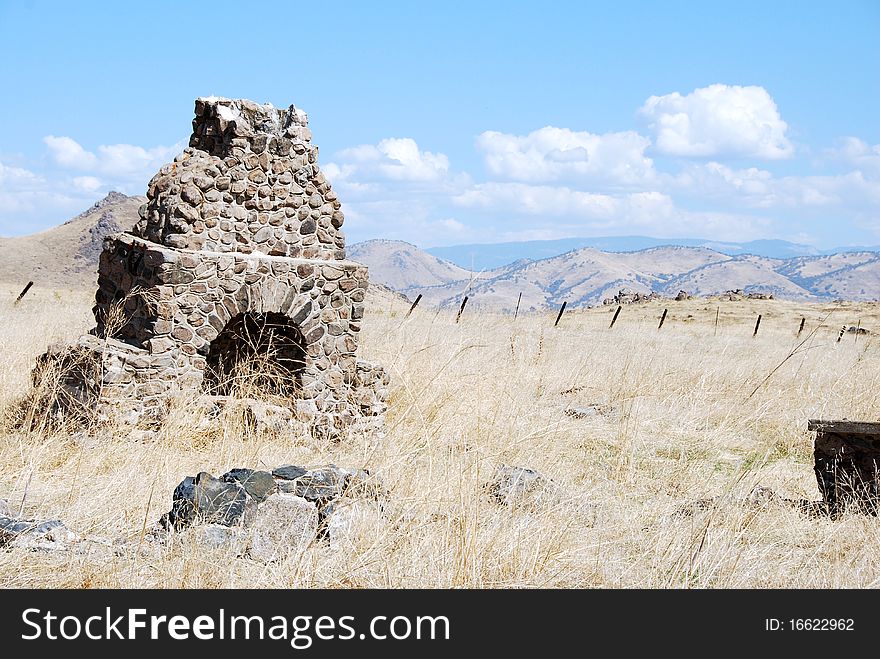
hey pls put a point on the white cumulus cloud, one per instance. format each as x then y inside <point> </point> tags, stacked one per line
<point>87,183</point>
<point>858,153</point>
<point>718,120</point>
<point>759,188</point>
<point>30,202</point>
<point>394,158</point>
<point>117,161</point>
<point>584,213</point>
<point>68,153</point>
<point>553,154</point>
<point>544,200</point>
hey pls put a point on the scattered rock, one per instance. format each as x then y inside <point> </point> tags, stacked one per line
<point>628,296</point>
<point>682,295</point>
<point>762,497</point>
<point>593,409</point>
<point>518,486</point>
<point>845,455</point>
<point>257,484</point>
<point>327,483</point>
<point>284,523</point>
<point>289,472</point>
<point>50,535</point>
<point>318,485</point>
<point>206,499</point>
<point>217,536</point>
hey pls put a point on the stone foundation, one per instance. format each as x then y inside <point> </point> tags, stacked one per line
<point>239,256</point>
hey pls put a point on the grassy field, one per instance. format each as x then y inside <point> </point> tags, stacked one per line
<point>683,425</point>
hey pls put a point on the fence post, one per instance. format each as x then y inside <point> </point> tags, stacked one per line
<point>757,325</point>
<point>717,311</point>
<point>801,328</point>
<point>614,320</point>
<point>414,305</point>
<point>461,309</point>
<point>560,313</point>
<point>662,318</point>
<point>24,292</point>
<point>518,300</point>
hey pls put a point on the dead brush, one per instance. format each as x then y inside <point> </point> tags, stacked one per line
<point>67,381</point>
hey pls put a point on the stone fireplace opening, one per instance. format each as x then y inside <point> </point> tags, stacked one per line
<point>256,351</point>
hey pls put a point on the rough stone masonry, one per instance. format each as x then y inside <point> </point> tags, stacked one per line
<point>239,252</point>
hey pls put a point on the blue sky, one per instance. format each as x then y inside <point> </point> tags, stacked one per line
<point>453,122</point>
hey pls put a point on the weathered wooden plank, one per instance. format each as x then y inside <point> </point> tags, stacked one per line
<point>845,426</point>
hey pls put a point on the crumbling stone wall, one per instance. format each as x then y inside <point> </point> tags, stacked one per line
<point>242,224</point>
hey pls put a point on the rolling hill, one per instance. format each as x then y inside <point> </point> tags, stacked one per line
<point>66,257</point>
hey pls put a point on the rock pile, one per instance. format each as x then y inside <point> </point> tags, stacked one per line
<point>628,296</point>
<point>239,253</point>
<point>264,515</point>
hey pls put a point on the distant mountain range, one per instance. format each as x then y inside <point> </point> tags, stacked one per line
<point>584,275</point>
<point>496,255</point>
<point>587,276</point>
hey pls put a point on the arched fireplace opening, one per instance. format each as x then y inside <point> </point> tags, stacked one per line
<point>256,353</point>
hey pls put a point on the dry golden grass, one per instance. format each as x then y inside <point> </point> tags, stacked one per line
<point>469,396</point>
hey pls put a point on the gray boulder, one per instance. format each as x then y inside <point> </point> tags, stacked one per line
<point>284,523</point>
<point>519,486</point>
<point>257,484</point>
<point>206,499</point>
<point>33,534</point>
<point>289,472</point>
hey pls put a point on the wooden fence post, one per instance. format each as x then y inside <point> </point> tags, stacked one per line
<point>560,313</point>
<point>614,320</point>
<point>717,311</point>
<point>757,325</point>
<point>461,309</point>
<point>801,328</point>
<point>662,318</point>
<point>414,305</point>
<point>518,300</point>
<point>24,292</point>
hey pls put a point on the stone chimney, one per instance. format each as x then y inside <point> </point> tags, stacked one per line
<point>239,252</point>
